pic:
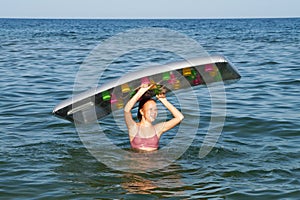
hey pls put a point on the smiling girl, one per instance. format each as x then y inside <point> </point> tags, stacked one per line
<point>144,135</point>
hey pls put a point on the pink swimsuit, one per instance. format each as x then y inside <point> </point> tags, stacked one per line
<point>139,142</point>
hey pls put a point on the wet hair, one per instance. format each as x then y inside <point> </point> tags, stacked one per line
<point>144,99</point>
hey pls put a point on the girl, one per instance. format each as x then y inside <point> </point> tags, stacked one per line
<point>144,135</point>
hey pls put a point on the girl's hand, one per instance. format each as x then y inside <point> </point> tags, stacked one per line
<point>144,88</point>
<point>162,94</point>
<point>144,85</point>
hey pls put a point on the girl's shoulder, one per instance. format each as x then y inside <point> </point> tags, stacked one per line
<point>159,128</point>
<point>133,130</point>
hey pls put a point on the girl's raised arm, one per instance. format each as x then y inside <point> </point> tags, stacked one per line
<point>128,107</point>
<point>177,115</point>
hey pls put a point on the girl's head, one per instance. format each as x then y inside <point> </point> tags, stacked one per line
<point>147,109</point>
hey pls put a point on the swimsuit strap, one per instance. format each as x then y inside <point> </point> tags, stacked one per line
<point>139,128</point>
<point>155,131</point>
<point>138,131</point>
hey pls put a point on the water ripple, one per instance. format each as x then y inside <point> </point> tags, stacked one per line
<point>256,156</point>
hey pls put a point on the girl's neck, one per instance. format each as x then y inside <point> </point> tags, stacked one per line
<point>145,123</point>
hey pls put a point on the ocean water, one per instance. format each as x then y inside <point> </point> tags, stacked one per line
<point>257,155</point>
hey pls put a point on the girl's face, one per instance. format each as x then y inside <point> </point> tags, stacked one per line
<point>149,111</point>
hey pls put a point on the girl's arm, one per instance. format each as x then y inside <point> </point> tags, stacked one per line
<point>178,116</point>
<point>128,107</point>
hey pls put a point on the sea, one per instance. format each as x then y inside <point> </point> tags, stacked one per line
<point>255,156</point>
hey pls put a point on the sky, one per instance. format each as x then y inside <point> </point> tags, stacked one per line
<point>149,8</point>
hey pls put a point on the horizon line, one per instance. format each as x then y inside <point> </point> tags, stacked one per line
<point>157,18</point>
